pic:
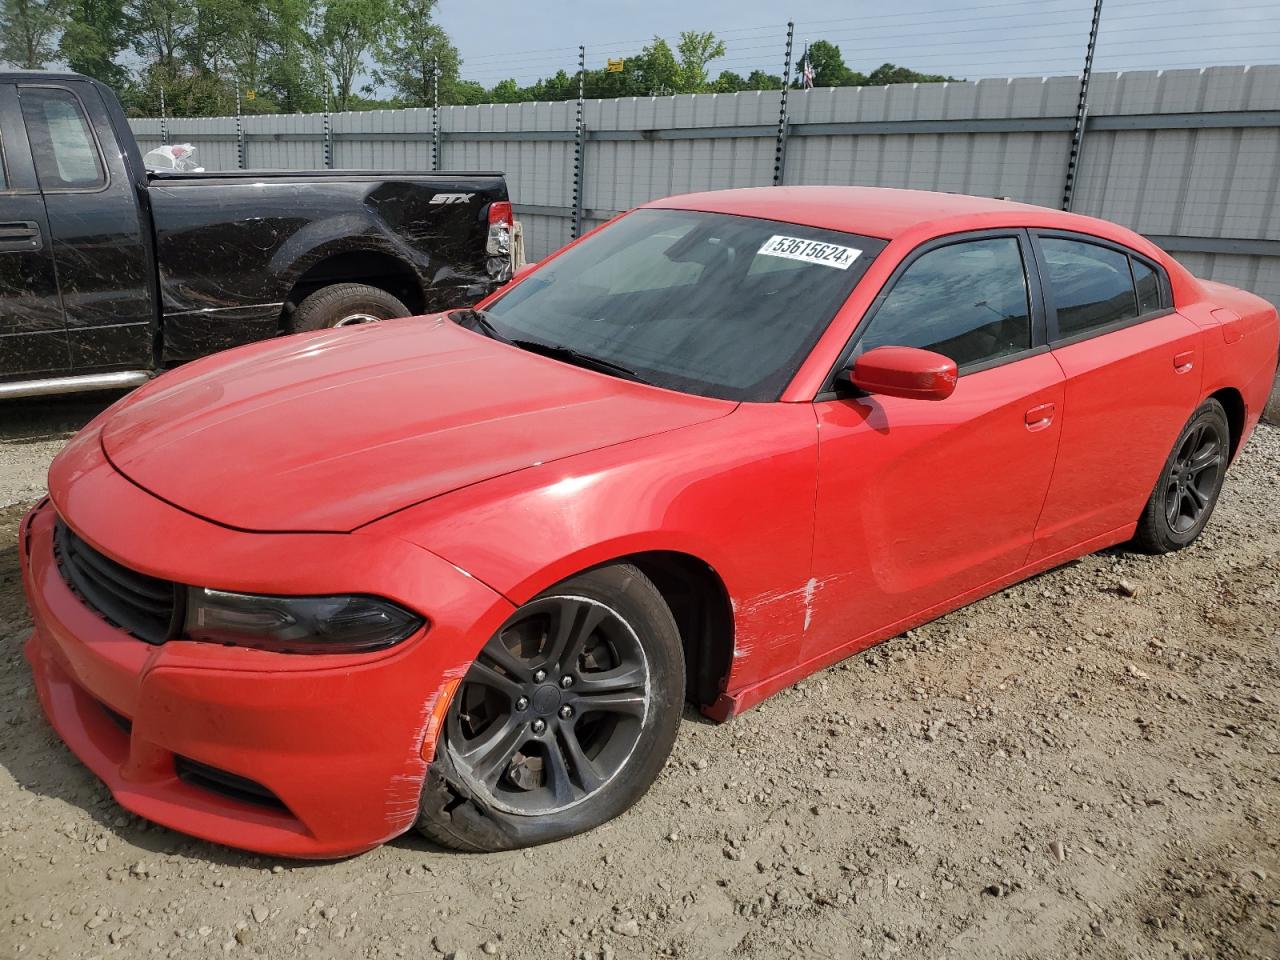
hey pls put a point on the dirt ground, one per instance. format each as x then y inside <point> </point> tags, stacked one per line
<point>1061,770</point>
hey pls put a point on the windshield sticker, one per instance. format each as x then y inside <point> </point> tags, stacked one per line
<point>809,251</point>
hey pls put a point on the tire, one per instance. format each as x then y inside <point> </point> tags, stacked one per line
<point>346,303</point>
<point>1190,482</point>
<point>506,773</point>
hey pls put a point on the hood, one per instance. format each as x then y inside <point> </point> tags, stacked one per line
<point>329,431</point>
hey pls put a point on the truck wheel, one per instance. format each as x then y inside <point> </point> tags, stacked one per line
<point>346,303</point>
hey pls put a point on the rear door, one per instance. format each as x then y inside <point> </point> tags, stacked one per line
<point>99,245</point>
<point>1133,376</point>
<point>33,339</point>
<point>919,501</point>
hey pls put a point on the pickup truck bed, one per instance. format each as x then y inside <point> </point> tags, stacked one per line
<point>109,272</point>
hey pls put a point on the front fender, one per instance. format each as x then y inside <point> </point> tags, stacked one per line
<point>737,493</point>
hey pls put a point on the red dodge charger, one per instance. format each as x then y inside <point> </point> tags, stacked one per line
<point>464,571</point>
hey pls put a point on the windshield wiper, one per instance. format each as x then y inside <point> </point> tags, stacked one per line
<point>559,351</point>
<point>556,351</point>
<point>484,325</point>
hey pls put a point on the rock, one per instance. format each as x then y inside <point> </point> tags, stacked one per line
<point>1058,850</point>
<point>489,948</point>
<point>121,934</point>
<point>993,890</point>
<point>1127,588</point>
<point>626,928</point>
<point>260,913</point>
<point>245,937</point>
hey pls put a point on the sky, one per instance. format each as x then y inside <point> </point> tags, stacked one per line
<point>981,38</point>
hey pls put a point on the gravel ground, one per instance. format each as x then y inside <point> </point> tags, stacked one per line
<point>1083,765</point>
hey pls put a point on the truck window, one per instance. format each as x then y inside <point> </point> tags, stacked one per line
<point>4,180</point>
<point>62,144</point>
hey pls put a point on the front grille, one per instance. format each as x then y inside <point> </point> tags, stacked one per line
<point>221,781</point>
<point>146,607</point>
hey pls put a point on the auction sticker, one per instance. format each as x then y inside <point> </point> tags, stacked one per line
<point>809,251</point>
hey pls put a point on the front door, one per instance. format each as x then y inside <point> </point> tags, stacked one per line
<point>920,502</point>
<point>33,338</point>
<point>100,245</point>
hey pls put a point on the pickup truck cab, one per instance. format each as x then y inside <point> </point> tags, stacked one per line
<point>109,272</point>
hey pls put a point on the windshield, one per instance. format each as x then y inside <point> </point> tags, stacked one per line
<point>706,303</point>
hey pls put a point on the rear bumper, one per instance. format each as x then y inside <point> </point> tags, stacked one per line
<point>333,748</point>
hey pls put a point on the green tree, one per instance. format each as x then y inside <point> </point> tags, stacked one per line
<point>346,31</point>
<point>759,80</point>
<point>657,71</point>
<point>158,29</point>
<point>94,36</point>
<point>888,73</point>
<point>729,82</point>
<point>410,47</point>
<point>828,65</point>
<point>695,51</point>
<point>29,31</point>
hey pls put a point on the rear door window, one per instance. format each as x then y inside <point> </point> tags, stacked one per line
<point>62,143</point>
<point>1090,286</point>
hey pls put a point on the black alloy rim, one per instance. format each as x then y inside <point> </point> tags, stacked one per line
<point>1193,478</point>
<point>552,708</point>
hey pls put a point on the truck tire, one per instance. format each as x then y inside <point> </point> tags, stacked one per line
<point>346,303</point>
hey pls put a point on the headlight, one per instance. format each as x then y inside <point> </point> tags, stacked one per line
<point>353,624</point>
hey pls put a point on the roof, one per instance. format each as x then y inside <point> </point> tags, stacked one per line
<point>870,211</point>
<point>37,75</point>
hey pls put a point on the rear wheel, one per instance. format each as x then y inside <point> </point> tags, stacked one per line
<point>1189,484</point>
<point>563,721</point>
<point>345,304</point>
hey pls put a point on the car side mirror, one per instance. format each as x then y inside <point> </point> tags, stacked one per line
<point>905,372</point>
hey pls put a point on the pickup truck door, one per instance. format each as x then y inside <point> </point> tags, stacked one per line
<point>33,338</point>
<point>99,238</point>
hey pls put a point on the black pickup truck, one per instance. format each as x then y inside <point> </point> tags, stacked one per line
<point>109,272</point>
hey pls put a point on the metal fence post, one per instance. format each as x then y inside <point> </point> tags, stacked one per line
<point>328,134</point>
<point>164,119</point>
<point>239,130</point>
<point>435,114</point>
<point>1082,110</point>
<point>780,152</point>
<point>579,138</point>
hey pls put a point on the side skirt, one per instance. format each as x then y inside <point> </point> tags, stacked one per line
<point>729,705</point>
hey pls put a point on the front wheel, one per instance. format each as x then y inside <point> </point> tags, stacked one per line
<point>563,721</point>
<point>1189,483</point>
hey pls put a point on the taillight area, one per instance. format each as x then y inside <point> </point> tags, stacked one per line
<point>500,212</point>
<point>498,246</point>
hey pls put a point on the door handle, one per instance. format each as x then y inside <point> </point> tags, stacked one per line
<point>1040,416</point>
<point>1183,362</point>
<point>20,235</point>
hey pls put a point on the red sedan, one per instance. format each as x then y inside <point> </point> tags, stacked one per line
<point>463,572</point>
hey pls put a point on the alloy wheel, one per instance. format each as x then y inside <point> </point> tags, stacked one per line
<point>552,708</point>
<point>1193,478</point>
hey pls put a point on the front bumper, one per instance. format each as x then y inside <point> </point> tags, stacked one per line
<point>337,744</point>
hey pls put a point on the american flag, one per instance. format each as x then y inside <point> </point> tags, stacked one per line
<point>806,72</point>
